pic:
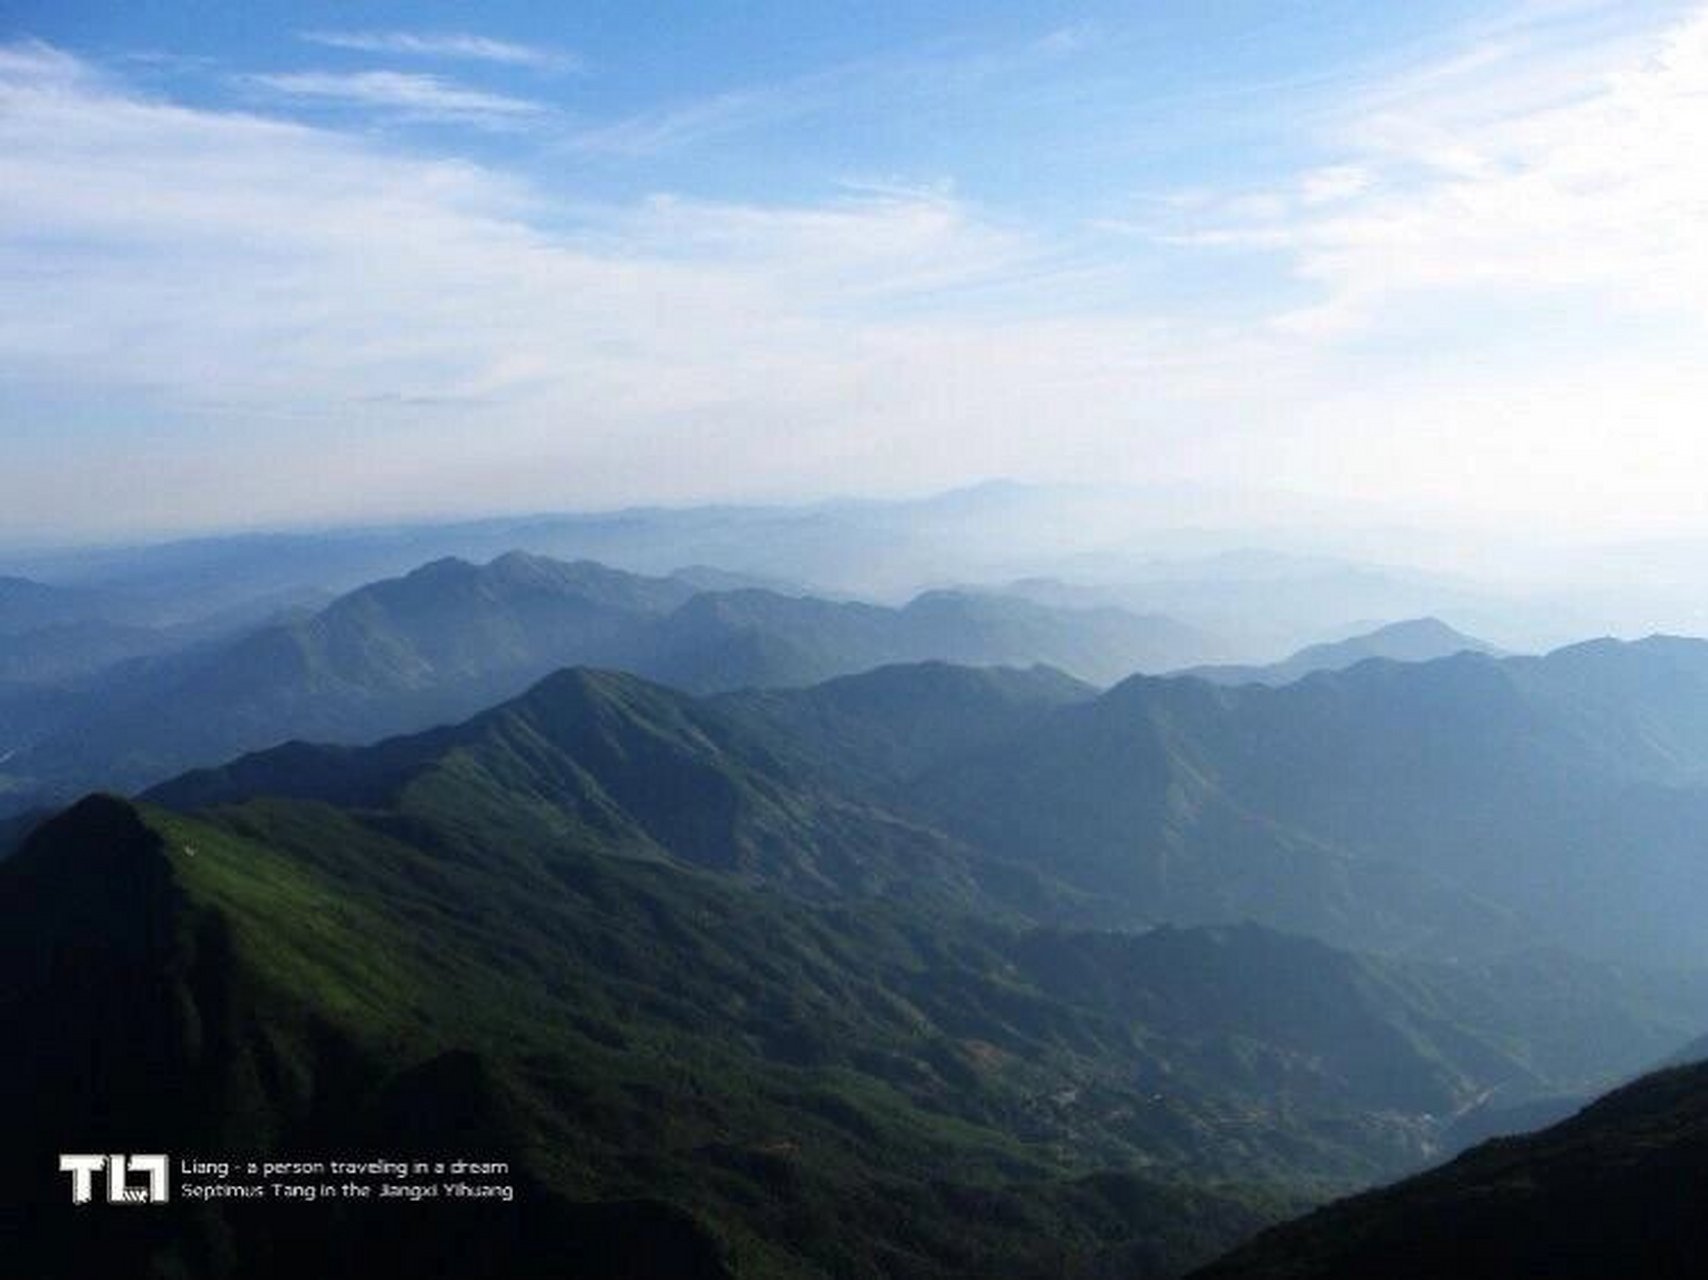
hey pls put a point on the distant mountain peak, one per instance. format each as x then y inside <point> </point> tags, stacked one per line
<point>585,682</point>
<point>446,567</point>
<point>1428,625</point>
<point>1406,640</point>
<point>1423,639</point>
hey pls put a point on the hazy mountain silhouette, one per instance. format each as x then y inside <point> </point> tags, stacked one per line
<point>26,605</point>
<point>1451,806</point>
<point>1415,640</point>
<point>452,637</point>
<point>729,640</point>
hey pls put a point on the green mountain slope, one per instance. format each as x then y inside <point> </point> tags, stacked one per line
<point>612,761</point>
<point>451,638</point>
<point>878,730</point>
<point>1452,807</point>
<point>245,1007</point>
<point>608,934</point>
<point>285,979</point>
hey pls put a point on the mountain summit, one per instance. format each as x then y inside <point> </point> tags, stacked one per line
<point>1413,640</point>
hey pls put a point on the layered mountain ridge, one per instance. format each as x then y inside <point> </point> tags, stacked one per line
<point>1411,640</point>
<point>640,948</point>
<point>451,638</point>
<point>925,969</point>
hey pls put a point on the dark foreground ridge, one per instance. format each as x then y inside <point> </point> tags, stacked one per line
<point>1617,1190</point>
<point>149,1029</point>
<point>687,1078</point>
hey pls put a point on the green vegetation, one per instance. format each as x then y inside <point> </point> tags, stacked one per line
<point>1457,809</point>
<point>776,984</point>
<point>451,638</point>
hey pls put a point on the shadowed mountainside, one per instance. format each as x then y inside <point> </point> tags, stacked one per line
<point>1615,1190</point>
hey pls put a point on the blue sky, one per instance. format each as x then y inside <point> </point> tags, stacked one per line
<point>283,263</point>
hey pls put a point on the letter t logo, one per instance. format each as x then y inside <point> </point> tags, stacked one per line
<point>82,1170</point>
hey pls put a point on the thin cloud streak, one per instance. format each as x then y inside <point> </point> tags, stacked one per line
<point>220,268</point>
<point>656,132</point>
<point>1526,178</point>
<point>414,96</point>
<point>447,45</point>
<point>896,79</point>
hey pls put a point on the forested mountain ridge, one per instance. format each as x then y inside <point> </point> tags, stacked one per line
<point>1446,806</point>
<point>638,945</point>
<point>451,638</point>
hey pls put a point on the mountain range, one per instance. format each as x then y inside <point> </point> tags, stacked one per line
<point>1445,809</point>
<point>26,605</point>
<point>881,549</point>
<point>1441,808</point>
<point>636,945</point>
<point>760,940</point>
<point>1413,640</point>
<point>451,638</point>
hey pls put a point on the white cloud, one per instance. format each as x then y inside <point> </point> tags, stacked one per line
<point>1498,272</point>
<point>1511,173</point>
<point>333,326</point>
<point>413,96</point>
<point>1492,282</point>
<point>1333,183</point>
<point>449,45</point>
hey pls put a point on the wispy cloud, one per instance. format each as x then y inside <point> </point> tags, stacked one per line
<point>208,270</point>
<point>1501,268</point>
<point>1069,39</point>
<point>219,269</point>
<point>666,129</point>
<point>413,96</point>
<point>449,45</point>
<point>900,81</point>
<point>1509,172</point>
